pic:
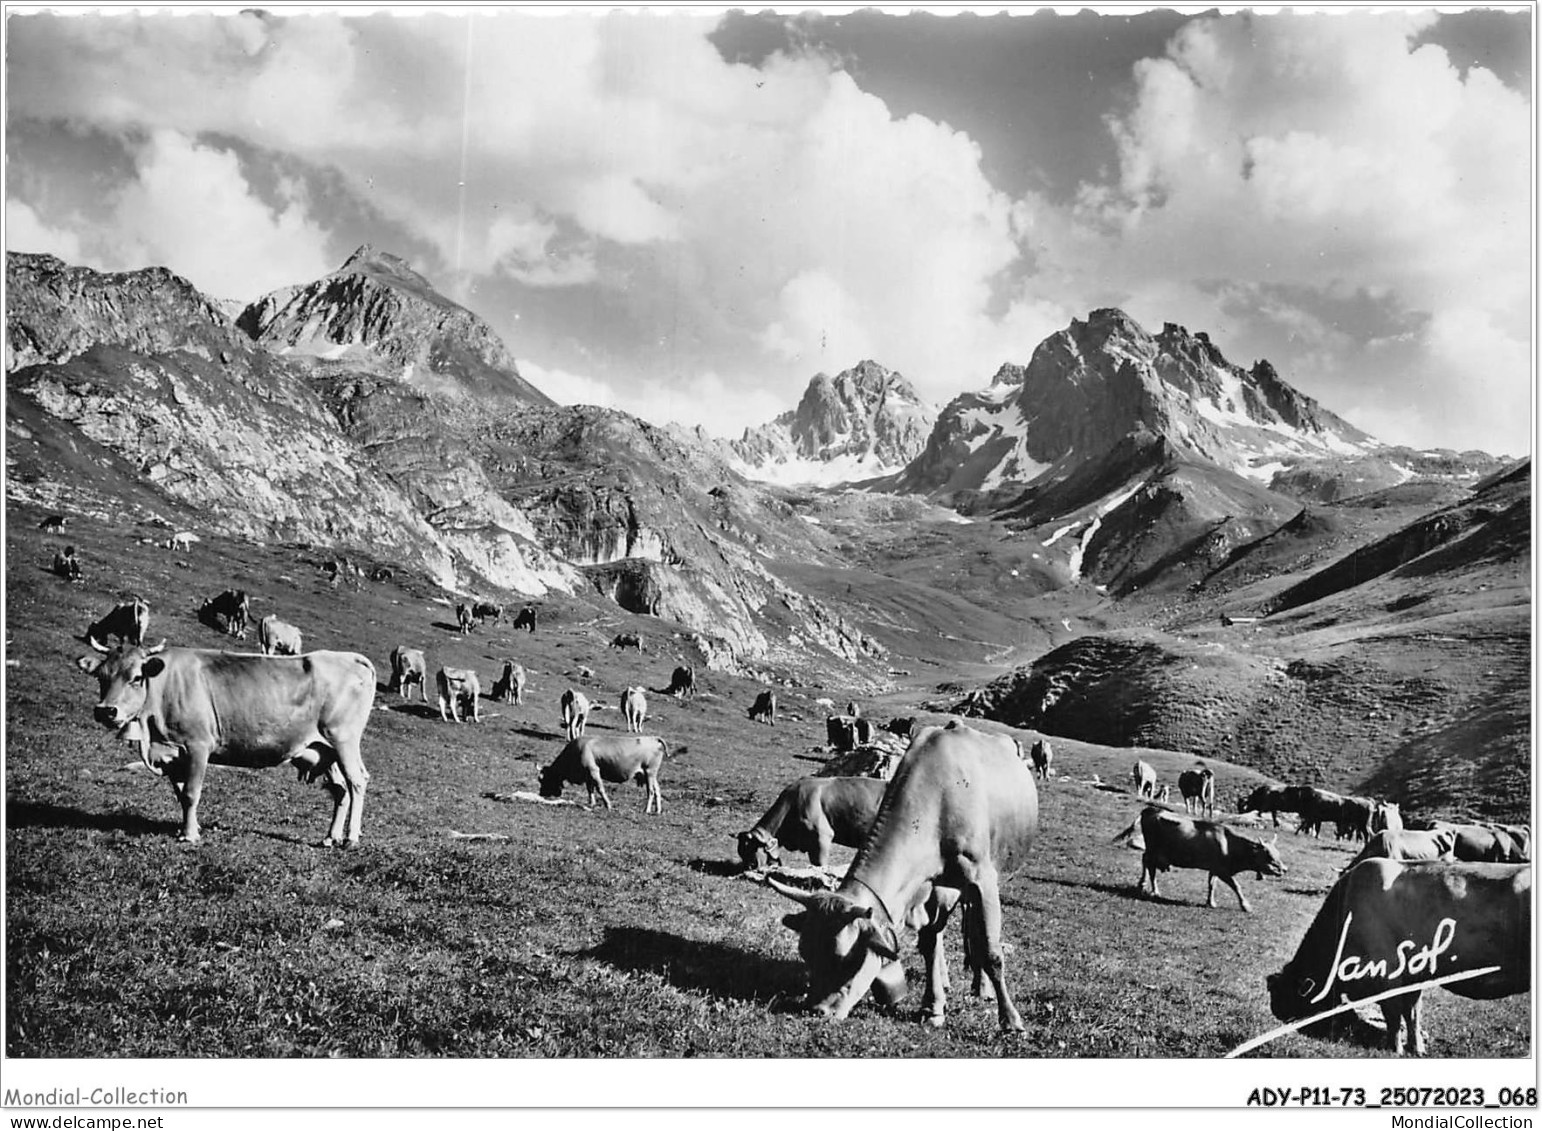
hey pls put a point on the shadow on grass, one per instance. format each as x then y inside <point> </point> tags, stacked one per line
<point>703,967</point>
<point>416,710</point>
<point>44,815</point>
<point>543,735</point>
<point>1123,891</point>
<point>722,869</point>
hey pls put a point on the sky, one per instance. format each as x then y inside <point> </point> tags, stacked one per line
<point>687,213</point>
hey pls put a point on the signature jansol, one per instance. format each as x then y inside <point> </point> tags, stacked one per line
<point>1411,958</point>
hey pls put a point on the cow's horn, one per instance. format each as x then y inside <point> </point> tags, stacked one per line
<point>95,646</point>
<point>161,647</point>
<point>804,897</point>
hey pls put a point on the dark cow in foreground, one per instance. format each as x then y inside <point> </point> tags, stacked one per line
<point>682,683</point>
<point>128,621</point>
<point>960,814</point>
<point>485,611</point>
<point>409,666</point>
<point>229,612</point>
<point>525,619</point>
<point>575,713</point>
<point>810,816</point>
<point>1406,844</point>
<point>764,708</point>
<point>595,760</point>
<point>463,618</point>
<point>634,709</point>
<point>1143,778</point>
<point>1042,757</point>
<point>459,692</point>
<point>1181,842</point>
<point>1198,790</point>
<point>278,638</point>
<point>1387,924</point>
<point>509,687</point>
<point>1271,799</point>
<point>625,640</point>
<point>236,709</point>
<point>66,564</point>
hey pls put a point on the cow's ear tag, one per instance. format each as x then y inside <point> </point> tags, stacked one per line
<point>794,922</point>
<point>152,667</point>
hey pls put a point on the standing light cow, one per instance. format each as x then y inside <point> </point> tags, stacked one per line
<point>1387,924</point>
<point>575,713</point>
<point>236,709</point>
<point>278,638</point>
<point>459,693</point>
<point>961,813</point>
<point>1144,779</point>
<point>409,666</point>
<point>634,709</point>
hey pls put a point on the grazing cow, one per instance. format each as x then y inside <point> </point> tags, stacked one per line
<point>625,640</point>
<point>278,638</point>
<point>128,621</point>
<point>525,619</point>
<point>1181,842</point>
<point>229,612</point>
<point>484,611</point>
<point>682,683</point>
<point>236,709</point>
<point>1198,790</point>
<point>1165,794</point>
<point>53,524</point>
<point>66,564</point>
<point>902,727</point>
<point>1271,799</point>
<point>459,691</point>
<point>634,709</point>
<point>1143,777</point>
<point>1354,819</point>
<point>811,815</point>
<point>182,540</point>
<point>961,813</point>
<point>510,686</point>
<point>764,708</point>
<point>1315,806</point>
<point>1406,844</point>
<point>1042,756</point>
<point>463,619</point>
<point>409,666</point>
<point>1490,844</point>
<point>575,713</point>
<point>1386,818</point>
<point>595,760</point>
<point>1363,942</point>
<point>854,709</point>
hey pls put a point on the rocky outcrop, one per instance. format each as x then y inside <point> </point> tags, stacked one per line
<point>866,421</point>
<point>381,313</point>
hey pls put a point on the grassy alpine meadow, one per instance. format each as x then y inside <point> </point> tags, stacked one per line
<point>470,923</point>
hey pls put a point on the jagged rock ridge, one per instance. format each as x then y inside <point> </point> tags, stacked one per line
<point>866,421</point>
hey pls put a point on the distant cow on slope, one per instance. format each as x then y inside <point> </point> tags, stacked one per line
<point>634,709</point>
<point>525,619</point>
<point>459,692</point>
<point>229,612</point>
<point>408,666</point>
<point>1042,758</point>
<point>510,686</point>
<point>682,683</point>
<point>764,708</point>
<point>575,713</point>
<point>1143,778</point>
<point>1198,790</point>
<point>277,638</point>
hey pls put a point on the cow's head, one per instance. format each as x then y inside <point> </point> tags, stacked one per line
<point>847,952</point>
<point>758,849</point>
<point>1263,857</point>
<point>551,781</point>
<point>1290,995</point>
<point>123,675</point>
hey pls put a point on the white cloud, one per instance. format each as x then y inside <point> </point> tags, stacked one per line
<point>26,231</point>
<point>722,406</point>
<point>190,208</point>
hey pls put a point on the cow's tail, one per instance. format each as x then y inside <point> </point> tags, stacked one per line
<point>1128,835</point>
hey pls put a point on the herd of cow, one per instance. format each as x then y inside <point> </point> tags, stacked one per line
<point>958,815</point>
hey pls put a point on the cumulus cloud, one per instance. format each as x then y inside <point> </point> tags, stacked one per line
<point>26,231</point>
<point>1320,153</point>
<point>722,406</point>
